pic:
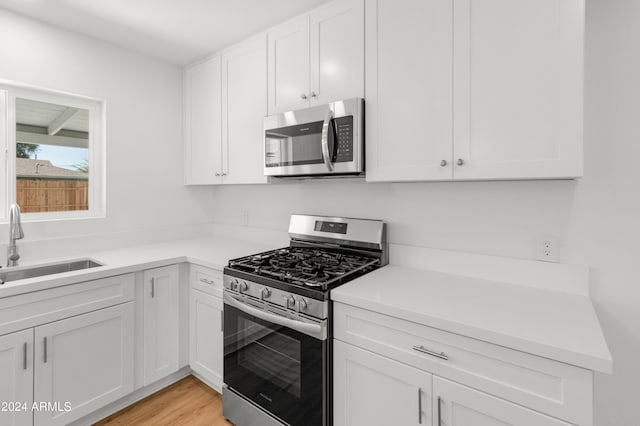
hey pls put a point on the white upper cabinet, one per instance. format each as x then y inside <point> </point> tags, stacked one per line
<point>337,52</point>
<point>317,58</point>
<point>203,123</point>
<point>289,66</point>
<point>482,89</point>
<point>518,88</point>
<point>244,105</point>
<point>409,90</point>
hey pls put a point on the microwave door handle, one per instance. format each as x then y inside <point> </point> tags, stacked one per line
<point>326,155</point>
<point>313,330</point>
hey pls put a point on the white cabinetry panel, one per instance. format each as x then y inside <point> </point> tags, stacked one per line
<point>371,390</point>
<point>16,377</point>
<point>86,361</point>
<point>463,406</point>
<point>409,90</point>
<point>161,342</point>
<point>244,100</point>
<point>289,66</point>
<point>206,350</point>
<point>518,88</point>
<point>203,123</point>
<point>337,52</point>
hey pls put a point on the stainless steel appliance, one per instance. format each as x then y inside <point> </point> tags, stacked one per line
<point>277,320</point>
<point>326,140</point>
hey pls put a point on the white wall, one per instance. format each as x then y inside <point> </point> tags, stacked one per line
<point>144,124</point>
<point>597,218</point>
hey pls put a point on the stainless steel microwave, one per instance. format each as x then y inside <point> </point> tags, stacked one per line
<point>320,141</point>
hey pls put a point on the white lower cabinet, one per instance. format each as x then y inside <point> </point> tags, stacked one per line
<point>16,378</point>
<point>372,390</point>
<point>205,337</point>
<point>388,370</point>
<point>161,320</point>
<point>83,363</point>
<point>458,405</point>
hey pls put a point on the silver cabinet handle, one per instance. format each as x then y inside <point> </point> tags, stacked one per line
<point>424,350</point>
<point>314,95</point>
<point>153,287</point>
<point>443,163</point>
<point>45,350</point>
<point>439,413</point>
<point>460,162</point>
<point>207,281</point>
<point>222,320</point>
<point>303,97</point>
<point>224,174</point>
<point>24,356</point>
<point>419,406</point>
<point>217,174</point>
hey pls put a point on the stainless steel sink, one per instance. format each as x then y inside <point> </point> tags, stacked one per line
<point>21,273</point>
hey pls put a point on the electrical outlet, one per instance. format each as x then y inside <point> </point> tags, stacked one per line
<point>548,248</point>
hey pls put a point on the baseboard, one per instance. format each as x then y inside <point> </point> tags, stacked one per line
<point>216,386</point>
<point>136,396</point>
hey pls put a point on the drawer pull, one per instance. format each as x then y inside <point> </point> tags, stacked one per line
<point>419,406</point>
<point>207,281</point>
<point>424,350</point>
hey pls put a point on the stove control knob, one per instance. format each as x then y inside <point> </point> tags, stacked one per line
<point>242,286</point>
<point>290,301</point>
<point>265,293</point>
<point>233,285</point>
<point>301,304</point>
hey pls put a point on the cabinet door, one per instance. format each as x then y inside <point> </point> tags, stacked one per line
<point>289,66</point>
<point>161,343</point>
<point>205,337</point>
<point>337,52</point>
<point>372,390</point>
<point>457,405</point>
<point>518,88</point>
<point>16,377</point>
<point>244,97</point>
<point>84,361</point>
<point>409,90</point>
<point>203,123</point>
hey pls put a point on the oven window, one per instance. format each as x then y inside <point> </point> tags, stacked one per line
<point>270,354</point>
<point>294,145</point>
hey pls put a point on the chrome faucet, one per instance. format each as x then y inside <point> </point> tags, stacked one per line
<point>15,233</point>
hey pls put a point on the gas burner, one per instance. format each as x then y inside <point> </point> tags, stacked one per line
<point>304,266</point>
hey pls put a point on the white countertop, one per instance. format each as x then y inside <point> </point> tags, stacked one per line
<point>553,324</point>
<point>557,325</point>
<point>212,252</point>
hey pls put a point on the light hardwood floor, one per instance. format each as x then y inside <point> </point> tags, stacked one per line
<point>188,402</point>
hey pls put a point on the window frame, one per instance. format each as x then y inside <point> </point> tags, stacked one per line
<point>97,149</point>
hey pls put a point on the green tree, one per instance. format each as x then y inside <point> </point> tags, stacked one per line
<point>83,166</point>
<point>26,150</point>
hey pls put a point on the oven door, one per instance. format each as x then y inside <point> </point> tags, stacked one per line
<point>275,364</point>
<point>322,140</point>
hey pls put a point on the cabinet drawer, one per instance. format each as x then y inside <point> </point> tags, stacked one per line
<point>206,280</point>
<point>555,388</point>
<point>40,307</point>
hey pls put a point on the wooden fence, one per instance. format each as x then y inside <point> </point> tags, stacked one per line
<point>52,194</point>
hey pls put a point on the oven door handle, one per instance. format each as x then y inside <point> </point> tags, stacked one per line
<point>326,155</point>
<point>314,330</point>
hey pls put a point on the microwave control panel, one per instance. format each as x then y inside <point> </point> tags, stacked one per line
<point>344,139</point>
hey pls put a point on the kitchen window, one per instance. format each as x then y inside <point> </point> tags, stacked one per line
<point>54,154</point>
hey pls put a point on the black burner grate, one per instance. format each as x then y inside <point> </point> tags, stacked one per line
<point>304,266</point>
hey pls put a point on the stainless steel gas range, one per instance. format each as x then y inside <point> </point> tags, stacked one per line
<point>277,320</point>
